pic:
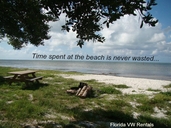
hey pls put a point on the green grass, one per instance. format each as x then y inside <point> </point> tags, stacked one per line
<point>49,101</point>
<point>167,86</point>
<point>155,90</point>
<point>109,90</point>
<point>121,86</point>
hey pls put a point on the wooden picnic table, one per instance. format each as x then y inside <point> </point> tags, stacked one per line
<point>23,76</point>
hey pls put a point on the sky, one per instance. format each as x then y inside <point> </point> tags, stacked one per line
<point>123,41</point>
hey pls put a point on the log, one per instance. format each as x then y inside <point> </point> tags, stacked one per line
<point>87,91</point>
<point>71,91</point>
<point>78,91</point>
<point>82,91</point>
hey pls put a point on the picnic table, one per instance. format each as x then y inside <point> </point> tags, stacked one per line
<point>23,76</point>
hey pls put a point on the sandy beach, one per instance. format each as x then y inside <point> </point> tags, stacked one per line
<point>137,85</point>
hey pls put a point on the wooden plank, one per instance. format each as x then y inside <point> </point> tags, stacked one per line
<point>22,72</point>
<point>36,78</point>
<point>8,77</point>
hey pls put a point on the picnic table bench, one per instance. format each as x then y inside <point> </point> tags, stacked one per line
<point>23,76</point>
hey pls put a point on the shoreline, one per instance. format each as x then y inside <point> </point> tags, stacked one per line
<point>155,77</point>
<point>136,85</point>
<point>134,76</point>
<point>138,70</point>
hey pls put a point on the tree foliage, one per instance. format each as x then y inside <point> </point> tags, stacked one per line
<point>26,21</point>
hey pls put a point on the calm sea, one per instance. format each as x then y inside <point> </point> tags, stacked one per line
<point>129,69</point>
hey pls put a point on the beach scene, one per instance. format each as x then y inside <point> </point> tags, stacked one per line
<point>114,101</point>
<point>85,64</point>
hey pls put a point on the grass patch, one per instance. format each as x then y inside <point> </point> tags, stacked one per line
<point>49,101</point>
<point>167,86</point>
<point>109,90</point>
<point>154,90</point>
<point>121,86</point>
<point>161,100</point>
<point>146,108</point>
<point>25,110</point>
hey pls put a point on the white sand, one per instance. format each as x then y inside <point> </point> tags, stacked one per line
<point>137,85</point>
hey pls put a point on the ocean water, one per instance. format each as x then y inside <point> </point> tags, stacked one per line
<point>130,69</point>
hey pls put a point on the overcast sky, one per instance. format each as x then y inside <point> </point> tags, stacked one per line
<point>123,38</point>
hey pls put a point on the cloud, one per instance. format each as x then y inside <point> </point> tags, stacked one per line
<point>60,38</point>
<point>14,54</point>
<point>157,37</point>
<point>124,37</point>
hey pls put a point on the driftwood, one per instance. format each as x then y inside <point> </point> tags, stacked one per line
<point>71,91</point>
<point>87,91</point>
<point>83,90</point>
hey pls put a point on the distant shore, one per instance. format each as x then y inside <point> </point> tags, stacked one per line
<point>136,85</point>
